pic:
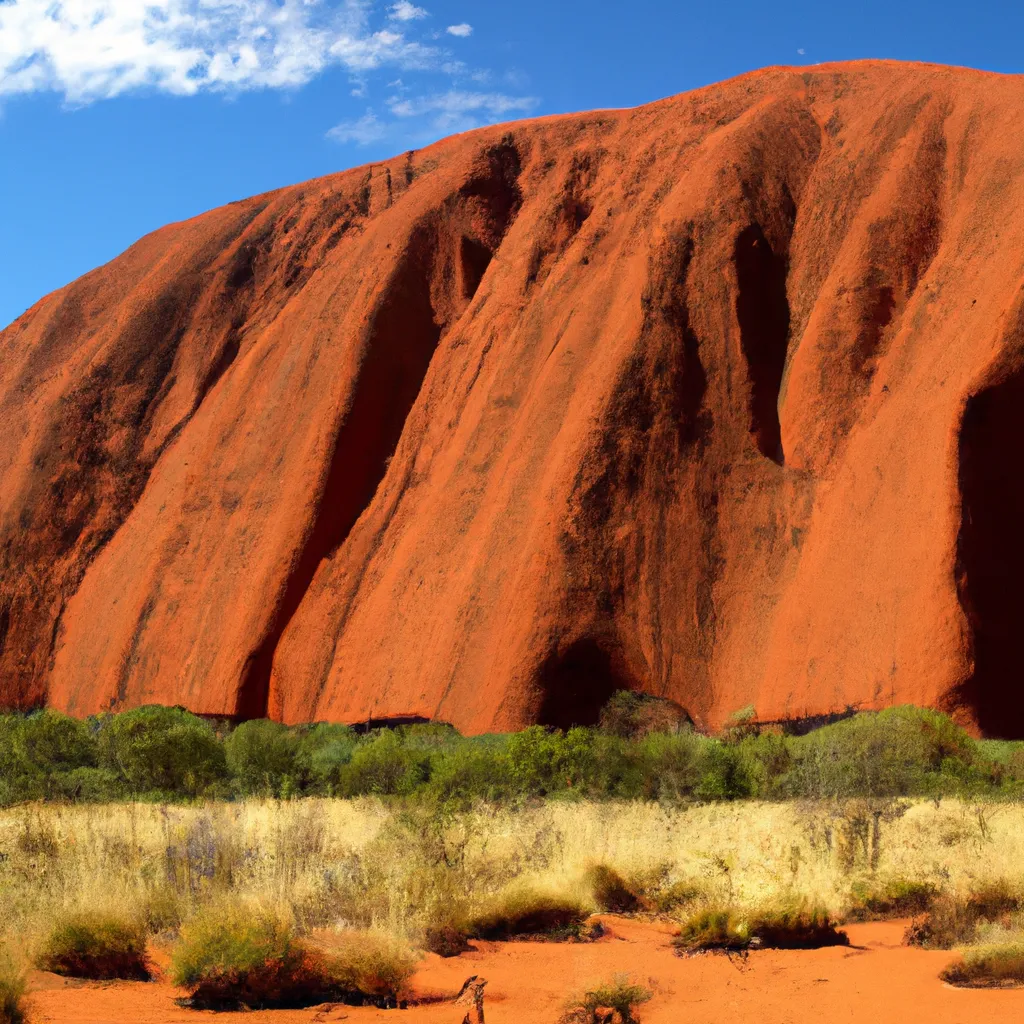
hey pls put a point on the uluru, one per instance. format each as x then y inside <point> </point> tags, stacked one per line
<point>720,399</point>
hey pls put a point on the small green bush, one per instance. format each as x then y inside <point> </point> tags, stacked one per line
<point>100,947</point>
<point>525,912</point>
<point>902,751</point>
<point>323,751</point>
<point>237,958</point>
<point>621,995</point>
<point>12,993</point>
<point>611,892</point>
<point>988,966</point>
<point>383,766</point>
<point>162,750</point>
<point>728,929</point>
<point>261,757</point>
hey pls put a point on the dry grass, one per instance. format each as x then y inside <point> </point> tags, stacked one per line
<point>367,864</point>
<point>12,992</point>
<point>955,918</point>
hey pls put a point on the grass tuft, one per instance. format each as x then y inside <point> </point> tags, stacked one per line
<point>523,911</point>
<point>243,958</point>
<point>100,947</point>
<point>12,993</point>
<point>999,965</point>
<point>730,930</point>
<point>612,893</point>
<point>620,997</point>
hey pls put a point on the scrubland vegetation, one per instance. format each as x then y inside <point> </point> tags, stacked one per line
<point>269,890</point>
<point>167,755</point>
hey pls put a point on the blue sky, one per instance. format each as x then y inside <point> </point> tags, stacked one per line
<point>117,116</point>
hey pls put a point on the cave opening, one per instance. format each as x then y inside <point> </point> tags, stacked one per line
<point>990,570</point>
<point>576,684</point>
<point>762,310</point>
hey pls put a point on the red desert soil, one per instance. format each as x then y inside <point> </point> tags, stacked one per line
<point>877,981</point>
<point>721,398</point>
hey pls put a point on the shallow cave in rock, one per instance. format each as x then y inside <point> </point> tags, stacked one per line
<point>991,555</point>
<point>576,684</point>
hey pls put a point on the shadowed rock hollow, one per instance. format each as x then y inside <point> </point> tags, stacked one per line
<point>721,398</point>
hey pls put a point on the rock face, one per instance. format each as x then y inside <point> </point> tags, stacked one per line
<point>721,399</point>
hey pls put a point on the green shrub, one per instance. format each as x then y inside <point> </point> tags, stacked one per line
<point>620,995</point>
<point>901,751</point>
<point>382,766</point>
<point>611,892</point>
<point>723,774</point>
<point>646,752</point>
<point>878,899</point>
<point>41,754</point>
<point>162,750</point>
<point>998,965</point>
<point>541,762</point>
<point>95,946</point>
<point>475,769</point>
<point>954,920</point>
<point>261,757</point>
<point>241,958</point>
<point>525,912</point>
<point>728,929</point>
<point>12,993</point>
<point>672,765</point>
<point>323,751</point>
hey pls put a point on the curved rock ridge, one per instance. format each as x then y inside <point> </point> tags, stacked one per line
<point>720,398</point>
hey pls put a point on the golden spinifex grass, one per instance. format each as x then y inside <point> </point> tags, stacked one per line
<point>236,955</point>
<point>327,865</point>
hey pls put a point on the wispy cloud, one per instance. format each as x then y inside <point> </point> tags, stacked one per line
<point>463,30</point>
<point>96,49</point>
<point>420,119</point>
<point>459,110</point>
<point>366,130</point>
<point>405,11</point>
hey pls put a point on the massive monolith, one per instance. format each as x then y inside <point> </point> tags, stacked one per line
<point>721,399</point>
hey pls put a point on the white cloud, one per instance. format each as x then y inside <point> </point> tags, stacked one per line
<point>457,110</point>
<point>421,119</point>
<point>96,49</point>
<point>405,11</point>
<point>801,51</point>
<point>362,132</point>
<point>462,30</point>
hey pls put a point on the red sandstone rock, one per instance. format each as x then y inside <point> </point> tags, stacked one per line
<point>721,398</point>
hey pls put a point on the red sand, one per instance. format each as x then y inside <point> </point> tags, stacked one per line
<point>721,398</point>
<point>877,981</point>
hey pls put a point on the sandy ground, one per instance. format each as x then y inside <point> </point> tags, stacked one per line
<point>876,981</point>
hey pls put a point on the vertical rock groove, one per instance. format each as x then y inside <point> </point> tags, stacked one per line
<point>762,310</point>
